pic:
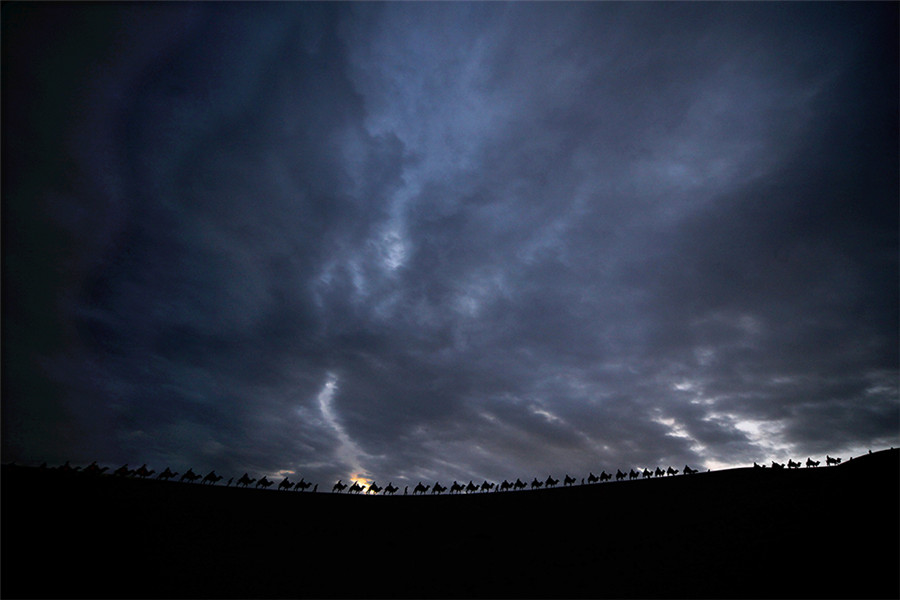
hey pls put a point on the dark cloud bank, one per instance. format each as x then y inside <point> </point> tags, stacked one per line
<point>420,241</point>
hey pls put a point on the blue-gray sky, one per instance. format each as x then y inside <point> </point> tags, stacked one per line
<point>421,241</point>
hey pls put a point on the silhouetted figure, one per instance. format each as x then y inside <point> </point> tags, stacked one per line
<point>756,466</point>
<point>438,488</point>
<point>265,483</point>
<point>647,473</point>
<point>486,487</point>
<point>167,474</point>
<point>620,475</point>
<point>658,472</point>
<point>285,484</point>
<point>456,488</point>
<point>211,478</point>
<point>551,482</point>
<point>315,488</point>
<point>67,468</point>
<point>670,471</point>
<point>374,488</point>
<point>421,489</point>
<point>519,484</point>
<point>604,476</point>
<point>568,480</point>
<point>592,478</point>
<point>245,480</point>
<point>405,490</point>
<point>94,469</point>
<point>535,484</point>
<point>123,471</point>
<point>302,485</point>
<point>689,471</point>
<point>831,461</point>
<point>776,465</point>
<point>793,465</point>
<point>190,476</point>
<point>142,472</point>
<point>505,486</point>
<point>338,487</point>
<point>390,489</point>
<point>471,487</point>
<point>356,488</point>
<point>633,475</point>
<point>811,463</point>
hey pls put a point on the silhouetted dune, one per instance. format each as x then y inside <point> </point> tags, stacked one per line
<point>823,533</point>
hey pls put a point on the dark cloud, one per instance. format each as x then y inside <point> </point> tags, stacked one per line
<point>437,241</point>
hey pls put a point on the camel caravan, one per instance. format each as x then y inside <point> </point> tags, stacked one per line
<point>456,488</point>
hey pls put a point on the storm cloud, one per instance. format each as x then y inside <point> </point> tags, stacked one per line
<point>426,241</point>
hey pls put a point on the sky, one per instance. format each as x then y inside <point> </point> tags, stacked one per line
<point>448,241</point>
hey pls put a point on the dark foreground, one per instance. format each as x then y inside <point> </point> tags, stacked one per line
<point>744,533</point>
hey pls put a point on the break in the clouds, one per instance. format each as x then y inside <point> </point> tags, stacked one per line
<point>432,241</point>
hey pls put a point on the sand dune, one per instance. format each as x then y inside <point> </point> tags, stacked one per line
<point>826,532</point>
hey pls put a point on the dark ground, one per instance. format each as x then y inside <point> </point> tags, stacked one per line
<point>743,533</point>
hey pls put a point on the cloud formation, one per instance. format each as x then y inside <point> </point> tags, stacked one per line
<point>437,241</point>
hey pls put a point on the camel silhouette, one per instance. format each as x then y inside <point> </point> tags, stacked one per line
<point>658,472</point>
<point>647,473</point>
<point>245,480</point>
<point>374,488</point>
<point>166,475</point>
<point>339,487</point>
<point>471,487</point>
<point>302,485</point>
<point>536,484</point>
<point>456,488</point>
<point>776,465</point>
<point>604,476</point>
<point>94,469</point>
<point>142,471</point>
<point>519,484</point>
<point>285,484</point>
<point>420,489</point>
<point>67,468</point>
<point>620,475</point>
<point>265,483</point>
<point>486,487</point>
<point>568,480</point>
<point>190,476</point>
<point>211,478</point>
<point>390,489</point>
<point>123,471</point>
<point>505,486</point>
<point>592,478</point>
<point>756,466</point>
<point>438,488</point>
<point>670,471</point>
<point>356,488</point>
<point>551,482</point>
<point>689,471</point>
<point>831,461</point>
<point>633,475</point>
<point>793,465</point>
<point>811,463</point>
